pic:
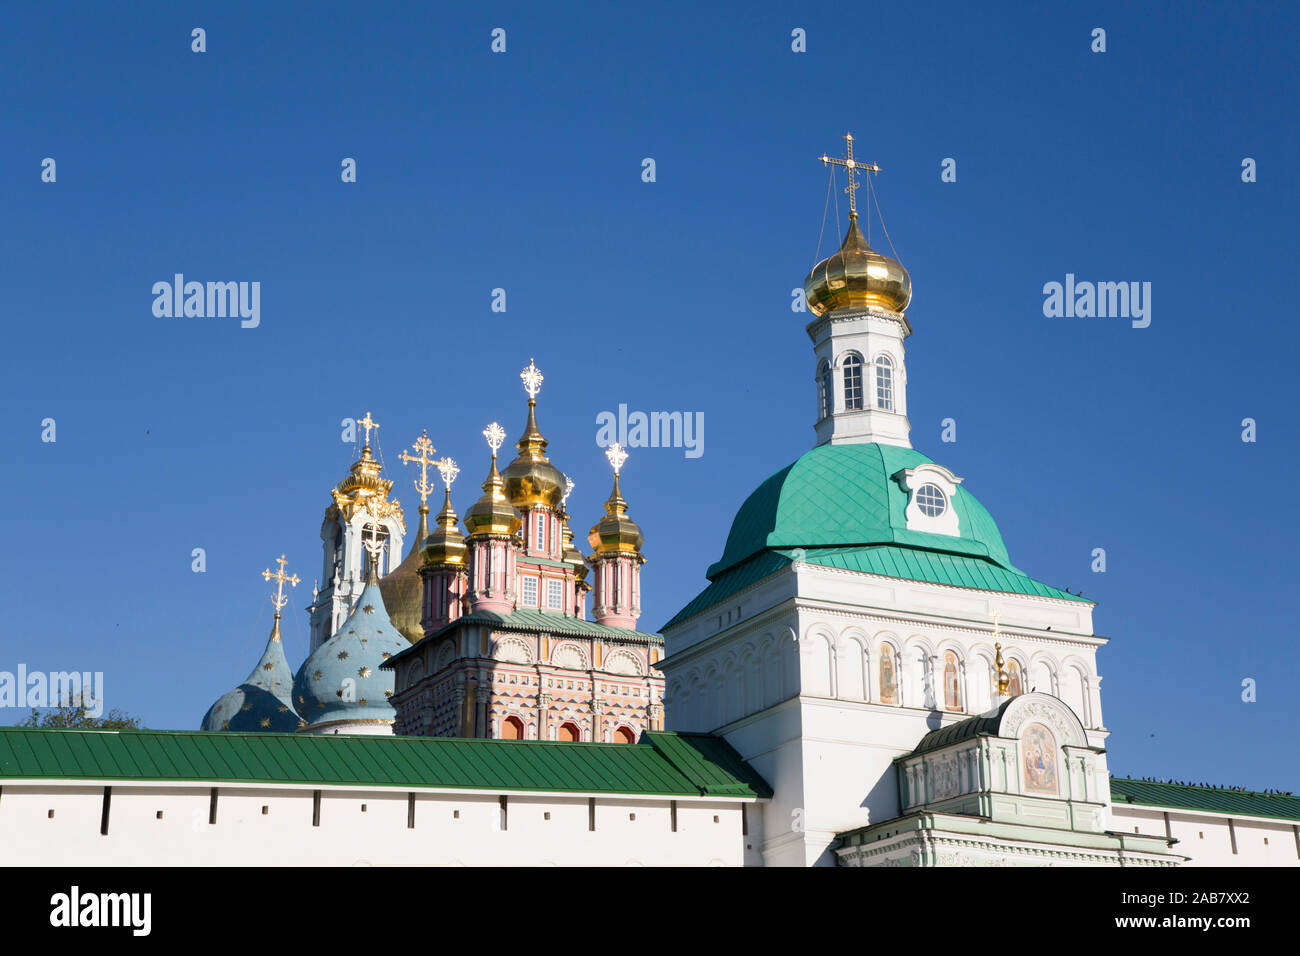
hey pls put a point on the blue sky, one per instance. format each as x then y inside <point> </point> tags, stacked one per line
<point>522,171</point>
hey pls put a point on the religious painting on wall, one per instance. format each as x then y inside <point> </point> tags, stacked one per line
<point>1015,685</point>
<point>951,687</point>
<point>1038,755</point>
<point>888,675</point>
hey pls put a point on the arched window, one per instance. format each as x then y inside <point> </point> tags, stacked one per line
<point>540,544</point>
<point>951,683</point>
<point>852,382</point>
<point>568,732</point>
<point>824,389</point>
<point>512,728</point>
<point>888,675</point>
<point>624,736</point>
<point>884,383</point>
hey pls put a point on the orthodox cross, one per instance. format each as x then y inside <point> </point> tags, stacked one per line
<point>616,456</point>
<point>373,545</point>
<point>279,577</point>
<point>568,490</point>
<point>852,165</point>
<point>425,448</point>
<point>532,377</point>
<point>367,423</point>
<point>495,435</point>
<point>448,469</point>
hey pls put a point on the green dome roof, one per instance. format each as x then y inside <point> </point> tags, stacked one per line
<point>847,495</point>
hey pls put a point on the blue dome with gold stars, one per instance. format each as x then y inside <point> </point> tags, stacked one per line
<point>341,683</point>
<point>262,702</point>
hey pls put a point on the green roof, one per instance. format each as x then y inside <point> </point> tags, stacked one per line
<point>663,764</point>
<point>967,729</point>
<point>845,507</point>
<point>847,495</point>
<point>534,621</point>
<point>911,564</point>
<point>1237,803</point>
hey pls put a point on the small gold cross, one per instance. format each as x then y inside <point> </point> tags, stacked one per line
<point>367,423</point>
<point>425,448</point>
<point>280,577</point>
<point>852,165</point>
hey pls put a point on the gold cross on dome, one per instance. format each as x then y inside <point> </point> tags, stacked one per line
<point>280,577</point>
<point>495,435</point>
<point>372,545</point>
<point>568,490</point>
<point>532,377</point>
<point>616,456</point>
<point>367,423</point>
<point>852,165</point>
<point>425,448</point>
<point>448,469</point>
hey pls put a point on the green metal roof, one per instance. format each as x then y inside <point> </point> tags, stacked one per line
<point>664,764</point>
<point>534,621</point>
<point>1237,803</point>
<point>967,729</point>
<point>847,495</point>
<point>913,564</point>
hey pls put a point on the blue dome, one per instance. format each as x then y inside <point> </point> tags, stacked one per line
<point>342,681</point>
<point>262,702</point>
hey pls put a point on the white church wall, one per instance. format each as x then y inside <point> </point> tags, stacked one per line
<point>266,824</point>
<point>1213,839</point>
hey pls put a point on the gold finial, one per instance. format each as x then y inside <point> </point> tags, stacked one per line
<point>495,435</point>
<point>448,468</point>
<point>852,165</point>
<point>532,377</point>
<point>368,423</point>
<point>425,448</point>
<point>616,456</point>
<point>280,577</point>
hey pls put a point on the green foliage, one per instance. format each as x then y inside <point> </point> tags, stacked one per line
<point>75,715</point>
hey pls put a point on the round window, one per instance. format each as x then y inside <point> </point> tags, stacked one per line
<point>931,500</point>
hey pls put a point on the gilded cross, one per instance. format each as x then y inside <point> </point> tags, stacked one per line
<point>373,545</point>
<point>852,165</point>
<point>532,377</point>
<point>616,456</point>
<point>495,435</point>
<point>279,577</point>
<point>367,423</point>
<point>448,468</point>
<point>425,448</point>
<point>568,490</point>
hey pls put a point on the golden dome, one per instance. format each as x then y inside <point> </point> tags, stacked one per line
<point>403,590</point>
<point>857,277</point>
<point>492,514</point>
<point>445,544</point>
<point>365,489</point>
<point>616,531</point>
<point>531,479</point>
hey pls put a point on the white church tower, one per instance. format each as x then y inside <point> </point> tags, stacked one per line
<point>359,501</point>
<point>864,608</point>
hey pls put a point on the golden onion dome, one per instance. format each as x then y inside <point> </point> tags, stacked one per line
<point>445,544</point>
<point>492,514</point>
<point>402,588</point>
<point>857,277</point>
<point>531,479</point>
<point>616,531</point>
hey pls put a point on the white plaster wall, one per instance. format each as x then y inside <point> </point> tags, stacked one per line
<point>1205,837</point>
<point>450,828</point>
